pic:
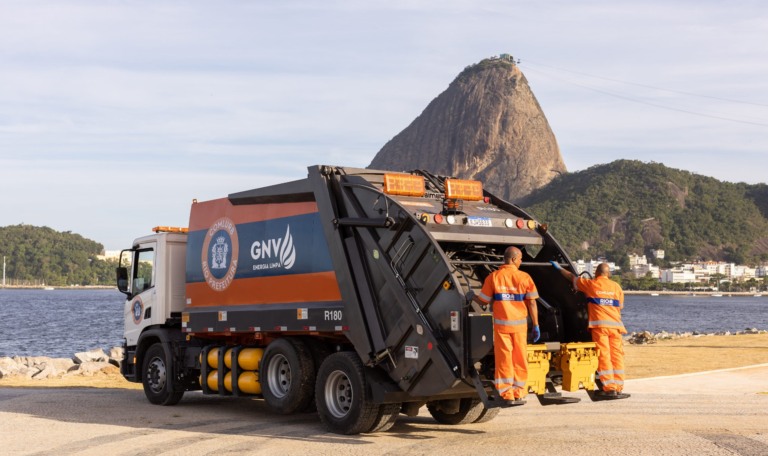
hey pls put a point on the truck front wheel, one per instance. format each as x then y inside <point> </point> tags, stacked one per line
<point>157,377</point>
<point>341,395</point>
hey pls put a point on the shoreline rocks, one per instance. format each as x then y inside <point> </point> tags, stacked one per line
<point>647,337</point>
<point>88,364</point>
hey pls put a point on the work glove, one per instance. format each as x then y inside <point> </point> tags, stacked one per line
<point>555,265</point>
<point>470,296</point>
<point>536,333</point>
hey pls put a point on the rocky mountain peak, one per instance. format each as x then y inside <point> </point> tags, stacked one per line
<point>486,125</point>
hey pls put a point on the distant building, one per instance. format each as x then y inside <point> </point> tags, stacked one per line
<point>591,265</point>
<point>658,254</point>
<point>677,276</point>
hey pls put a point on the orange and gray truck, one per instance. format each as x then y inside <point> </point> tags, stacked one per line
<point>348,291</point>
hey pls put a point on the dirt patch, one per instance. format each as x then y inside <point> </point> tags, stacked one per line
<point>695,354</point>
<point>98,380</point>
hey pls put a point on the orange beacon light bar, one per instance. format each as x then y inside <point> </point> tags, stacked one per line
<point>169,229</point>
<point>468,190</point>
<point>403,184</point>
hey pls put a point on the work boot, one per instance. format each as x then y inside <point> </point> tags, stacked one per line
<point>611,393</point>
<point>514,402</point>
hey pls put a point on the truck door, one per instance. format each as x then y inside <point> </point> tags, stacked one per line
<point>142,292</point>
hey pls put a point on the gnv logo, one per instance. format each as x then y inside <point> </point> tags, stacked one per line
<point>281,250</point>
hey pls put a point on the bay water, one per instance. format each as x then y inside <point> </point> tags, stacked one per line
<point>61,322</point>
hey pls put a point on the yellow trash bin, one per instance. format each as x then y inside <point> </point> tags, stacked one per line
<point>538,367</point>
<point>578,361</point>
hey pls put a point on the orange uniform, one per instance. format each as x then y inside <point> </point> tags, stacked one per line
<point>605,299</point>
<point>509,288</point>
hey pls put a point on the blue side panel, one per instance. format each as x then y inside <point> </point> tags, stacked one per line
<point>282,246</point>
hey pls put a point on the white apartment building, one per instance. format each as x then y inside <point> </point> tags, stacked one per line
<point>639,267</point>
<point>591,265</point>
<point>677,276</point>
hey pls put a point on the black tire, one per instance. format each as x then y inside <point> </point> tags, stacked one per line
<point>469,411</point>
<point>287,376</point>
<point>386,417</point>
<point>487,414</point>
<point>342,395</point>
<point>157,377</point>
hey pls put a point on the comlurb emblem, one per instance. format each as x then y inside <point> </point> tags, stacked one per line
<point>220,254</point>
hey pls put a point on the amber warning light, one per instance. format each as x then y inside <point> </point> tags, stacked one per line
<point>169,229</point>
<point>403,184</point>
<point>469,190</point>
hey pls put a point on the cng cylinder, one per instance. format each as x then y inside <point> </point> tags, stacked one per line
<point>213,381</point>
<point>247,382</point>
<point>213,358</point>
<point>249,358</point>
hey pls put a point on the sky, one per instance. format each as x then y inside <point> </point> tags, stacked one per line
<point>115,114</point>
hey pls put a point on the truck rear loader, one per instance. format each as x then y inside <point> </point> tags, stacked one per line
<point>346,291</point>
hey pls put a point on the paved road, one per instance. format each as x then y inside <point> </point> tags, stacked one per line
<point>717,413</point>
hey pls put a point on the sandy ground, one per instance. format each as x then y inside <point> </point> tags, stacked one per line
<point>666,357</point>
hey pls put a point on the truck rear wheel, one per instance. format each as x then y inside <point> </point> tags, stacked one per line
<point>287,376</point>
<point>487,414</point>
<point>341,396</point>
<point>469,411</point>
<point>157,377</point>
<point>386,417</point>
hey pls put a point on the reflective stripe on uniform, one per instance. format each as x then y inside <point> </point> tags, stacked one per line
<point>508,297</point>
<point>510,322</point>
<point>605,323</point>
<point>483,297</point>
<point>605,302</point>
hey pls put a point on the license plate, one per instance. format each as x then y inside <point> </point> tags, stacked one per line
<point>478,221</point>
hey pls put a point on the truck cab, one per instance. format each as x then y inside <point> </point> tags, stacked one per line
<point>151,275</point>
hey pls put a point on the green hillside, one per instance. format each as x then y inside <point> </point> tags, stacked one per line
<point>40,255</point>
<point>632,207</point>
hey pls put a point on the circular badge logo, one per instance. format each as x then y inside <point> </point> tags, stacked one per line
<point>138,310</point>
<point>220,250</point>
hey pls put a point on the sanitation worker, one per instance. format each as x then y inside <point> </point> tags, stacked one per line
<point>514,298</point>
<point>605,299</point>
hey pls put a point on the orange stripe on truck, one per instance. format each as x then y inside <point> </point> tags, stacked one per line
<point>317,286</point>
<point>207,212</point>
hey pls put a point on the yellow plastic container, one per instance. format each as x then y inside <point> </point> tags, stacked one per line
<point>538,367</point>
<point>578,361</point>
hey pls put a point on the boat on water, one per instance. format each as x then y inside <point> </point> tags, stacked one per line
<point>757,295</point>
<point>717,295</point>
<point>654,294</point>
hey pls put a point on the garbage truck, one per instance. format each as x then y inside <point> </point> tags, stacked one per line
<point>346,292</point>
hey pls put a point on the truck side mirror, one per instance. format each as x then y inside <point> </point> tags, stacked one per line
<point>122,280</point>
